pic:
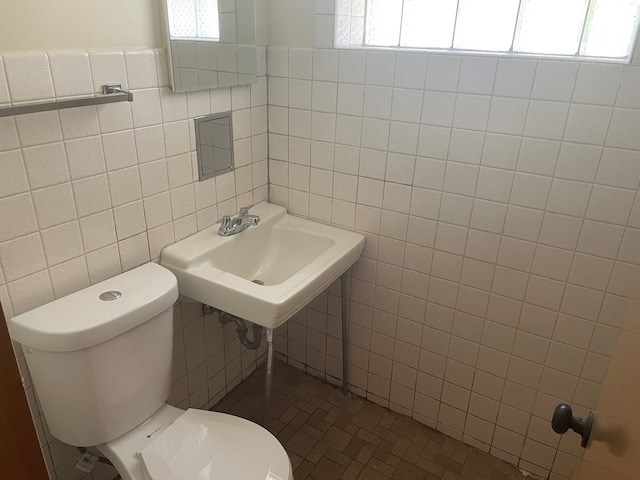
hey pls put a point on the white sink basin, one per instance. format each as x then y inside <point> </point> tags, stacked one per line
<point>296,259</point>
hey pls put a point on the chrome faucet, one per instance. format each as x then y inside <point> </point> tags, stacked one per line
<point>230,226</point>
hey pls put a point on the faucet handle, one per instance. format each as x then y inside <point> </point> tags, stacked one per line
<point>225,222</point>
<point>244,211</point>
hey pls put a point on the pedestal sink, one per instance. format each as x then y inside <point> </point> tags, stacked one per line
<point>266,273</point>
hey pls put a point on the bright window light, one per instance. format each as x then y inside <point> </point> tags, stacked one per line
<point>580,28</point>
<point>193,19</point>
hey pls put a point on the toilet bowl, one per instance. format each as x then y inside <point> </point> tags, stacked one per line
<point>100,360</point>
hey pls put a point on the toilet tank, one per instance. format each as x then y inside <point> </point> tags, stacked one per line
<point>100,359</point>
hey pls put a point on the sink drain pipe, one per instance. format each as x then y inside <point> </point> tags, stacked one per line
<point>241,327</point>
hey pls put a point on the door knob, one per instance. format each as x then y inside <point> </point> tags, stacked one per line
<point>563,420</point>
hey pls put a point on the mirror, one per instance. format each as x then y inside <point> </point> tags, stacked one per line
<point>214,144</point>
<point>212,43</point>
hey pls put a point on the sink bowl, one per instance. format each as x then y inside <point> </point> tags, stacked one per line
<point>266,273</point>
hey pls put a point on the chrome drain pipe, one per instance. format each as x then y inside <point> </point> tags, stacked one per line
<point>241,327</point>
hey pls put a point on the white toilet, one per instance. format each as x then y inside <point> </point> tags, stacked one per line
<point>100,360</point>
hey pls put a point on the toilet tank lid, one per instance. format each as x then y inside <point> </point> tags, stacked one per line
<point>81,319</point>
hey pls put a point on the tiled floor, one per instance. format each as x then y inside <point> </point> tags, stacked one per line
<point>329,436</point>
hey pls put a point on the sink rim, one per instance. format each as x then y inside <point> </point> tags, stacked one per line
<point>271,305</point>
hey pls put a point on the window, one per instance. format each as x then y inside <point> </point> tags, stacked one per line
<point>193,19</point>
<point>585,28</point>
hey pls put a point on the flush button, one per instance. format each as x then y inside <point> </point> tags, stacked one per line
<point>110,295</point>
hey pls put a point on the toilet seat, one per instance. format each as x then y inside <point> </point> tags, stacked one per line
<point>203,445</point>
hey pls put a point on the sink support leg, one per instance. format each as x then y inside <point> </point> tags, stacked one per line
<point>267,390</point>
<point>345,332</point>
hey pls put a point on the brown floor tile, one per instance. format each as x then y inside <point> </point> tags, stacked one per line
<point>329,436</point>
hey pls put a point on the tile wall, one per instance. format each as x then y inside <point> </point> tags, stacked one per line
<point>90,192</point>
<point>499,198</point>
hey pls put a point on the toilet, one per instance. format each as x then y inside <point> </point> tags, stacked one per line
<point>100,360</point>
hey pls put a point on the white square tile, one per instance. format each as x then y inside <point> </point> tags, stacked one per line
<point>348,130</point>
<point>546,119</point>
<point>501,151</point>
<point>325,65</point>
<point>149,143</point>
<point>514,77</point>
<point>560,231</point>
<point>523,223</point>
<point>472,111</point>
<point>351,66</point>
<point>28,76</point>
<point>429,173</point>
<point>62,243</point>
<point>443,72</point>
<point>401,167</point>
<point>489,216</point>
<point>114,117</point>
<point>129,220</point>
<point>619,168</point>
<point>411,70</point>
<point>581,302</point>
<point>8,134</point>
<point>375,133</point>
<point>107,67</point>
<point>14,176</point>
<point>629,93</point>
<point>507,115</point>
<point>621,132</point>
<point>612,205</point>
<point>157,210</point>
<point>79,122</point>
<point>438,108</point>
<point>538,156</point>
<point>530,190</point>
<point>298,96</point>
<point>456,209</point>
<point>278,61</point>
<point>141,68</point>
<point>146,109</point>
<point>22,257</point>
<point>602,239</point>
<point>597,83</point>
<point>406,106</point>
<point>377,102</point>
<point>103,263</point>
<point>46,165</point>
<point>628,248</point>
<point>300,63</point>
<point>323,126</point>
<point>554,80</point>
<point>380,68</point>
<point>370,192</point>
<point>403,138</point>
<point>569,198</point>
<point>477,74</point>
<point>324,96</point>
<point>98,231</point>
<point>69,277</point>
<point>30,292</point>
<point>372,163</point>
<point>134,251</point>
<point>460,178</point>
<point>91,195</point>
<point>17,217</point>
<point>578,162</point>
<point>119,150</point>
<point>54,205</point>
<point>300,123</point>
<point>397,197</point>
<point>587,124</point>
<point>544,292</point>
<point>517,254</point>
<point>434,141</point>
<point>71,73</point>
<point>350,99</point>
<point>590,271</point>
<point>482,245</point>
<point>466,146</point>
<point>38,128</point>
<point>85,157</point>
<point>124,186</point>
